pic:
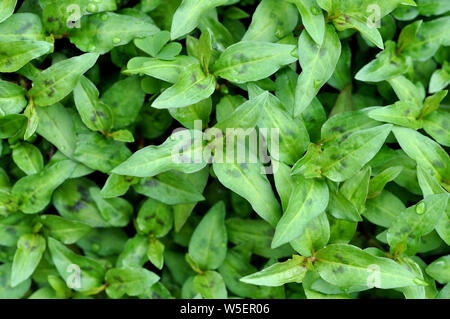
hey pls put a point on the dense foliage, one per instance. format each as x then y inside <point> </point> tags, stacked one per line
<point>352,204</point>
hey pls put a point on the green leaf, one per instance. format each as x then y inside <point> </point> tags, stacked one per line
<point>428,39</point>
<point>278,274</point>
<point>116,211</point>
<point>57,81</point>
<point>7,9</point>
<point>12,98</point>
<point>244,116</point>
<point>130,281</point>
<point>432,103</point>
<point>258,235</point>
<point>62,16</point>
<point>360,15</point>
<point>342,74</point>
<point>154,218</point>
<point>16,54</point>
<point>57,127</point>
<point>401,113</point>
<point>308,199</point>
<point>342,208</point>
<point>248,181</point>
<point>192,87</point>
<point>210,285</point>
<point>440,78</point>
<point>125,98</point>
<point>117,185</point>
<point>386,65</point>
<point>271,21</point>
<point>189,114</point>
<point>315,236</point>
<point>95,115</point>
<point>440,269</point>
<point>252,60</point>
<point>425,152</point>
<point>99,152</point>
<point>34,191</point>
<point>122,136</point>
<point>338,127</point>
<point>168,71</point>
<point>28,158</point>
<point>205,50</point>
<point>80,272</point>
<point>30,249</point>
<point>135,252</point>
<point>12,227</point>
<point>356,188</point>
<point>8,292</point>
<point>208,244</point>
<point>312,18</point>
<point>295,137</point>
<point>408,35</point>
<point>433,7</point>
<point>11,125</point>
<point>22,26</point>
<point>153,44</point>
<point>348,267</point>
<point>339,161</point>
<point>155,253</point>
<point>103,242</point>
<point>64,230</point>
<point>407,91</point>
<point>416,221</point>
<point>435,125</point>
<point>284,182</point>
<point>318,63</point>
<point>33,121</point>
<point>152,160</point>
<point>237,265</point>
<point>102,32</point>
<point>173,187</point>
<point>384,209</point>
<point>378,182</point>
<point>73,201</point>
<point>188,14</point>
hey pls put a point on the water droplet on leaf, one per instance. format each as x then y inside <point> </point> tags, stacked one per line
<point>116,40</point>
<point>420,208</point>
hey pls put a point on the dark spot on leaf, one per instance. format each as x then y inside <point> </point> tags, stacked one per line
<point>52,92</point>
<point>25,27</point>
<point>338,129</point>
<point>78,206</point>
<point>151,183</point>
<point>83,192</point>
<point>437,164</point>
<point>160,221</point>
